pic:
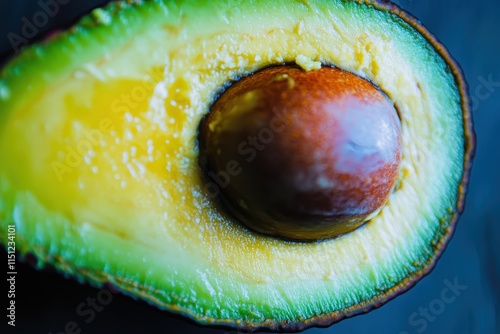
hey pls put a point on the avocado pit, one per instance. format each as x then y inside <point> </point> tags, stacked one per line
<point>302,155</point>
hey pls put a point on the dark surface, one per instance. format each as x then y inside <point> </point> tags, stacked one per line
<point>47,302</point>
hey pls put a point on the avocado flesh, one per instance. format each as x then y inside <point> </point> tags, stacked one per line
<point>133,211</point>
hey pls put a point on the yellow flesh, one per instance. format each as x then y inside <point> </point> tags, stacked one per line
<point>138,188</point>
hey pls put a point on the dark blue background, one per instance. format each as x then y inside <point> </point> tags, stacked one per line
<point>471,31</point>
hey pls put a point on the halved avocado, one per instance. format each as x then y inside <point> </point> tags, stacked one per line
<point>100,175</point>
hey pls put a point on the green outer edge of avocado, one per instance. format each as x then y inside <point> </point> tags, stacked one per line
<point>327,319</point>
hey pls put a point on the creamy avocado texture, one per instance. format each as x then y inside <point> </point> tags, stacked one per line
<point>100,175</point>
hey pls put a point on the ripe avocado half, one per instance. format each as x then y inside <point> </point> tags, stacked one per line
<point>100,174</point>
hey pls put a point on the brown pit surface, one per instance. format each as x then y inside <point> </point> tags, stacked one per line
<point>301,155</point>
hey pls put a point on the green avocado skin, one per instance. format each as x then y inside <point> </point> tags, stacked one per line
<point>258,283</point>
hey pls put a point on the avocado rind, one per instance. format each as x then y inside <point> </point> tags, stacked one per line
<point>50,234</point>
